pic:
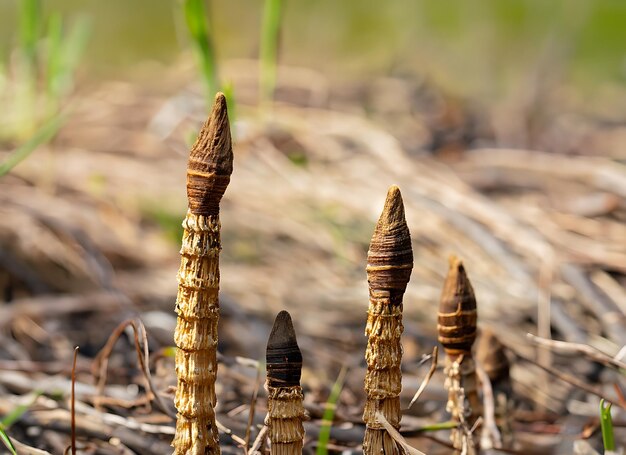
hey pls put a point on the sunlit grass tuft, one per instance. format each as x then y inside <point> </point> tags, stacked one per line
<point>47,58</point>
<point>606,424</point>
<point>44,134</point>
<point>36,76</point>
<point>12,417</point>
<point>329,413</point>
<point>270,33</point>
<point>196,21</point>
<point>7,442</point>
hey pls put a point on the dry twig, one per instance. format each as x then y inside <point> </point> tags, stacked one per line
<point>578,348</point>
<point>433,368</point>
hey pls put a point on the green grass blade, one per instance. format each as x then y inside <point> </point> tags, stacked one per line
<point>439,426</point>
<point>3,75</point>
<point>17,413</point>
<point>329,413</point>
<point>23,108</point>
<point>7,442</point>
<point>43,135</point>
<point>169,351</point>
<point>270,31</point>
<point>229,92</point>
<point>30,16</point>
<point>196,21</point>
<point>12,417</point>
<point>75,43</point>
<point>64,53</point>
<point>606,424</point>
<point>54,56</point>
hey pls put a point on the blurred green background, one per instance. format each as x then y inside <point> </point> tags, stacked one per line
<point>479,48</point>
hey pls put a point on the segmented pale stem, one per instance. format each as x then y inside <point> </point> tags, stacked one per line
<point>285,411</point>
<point>285,414</point>
<point>490,354</point>
<point>197,302</point>
<point>462,388</point>
<point>457,332</point>
<point>197,307</point>
<point>389,265</point>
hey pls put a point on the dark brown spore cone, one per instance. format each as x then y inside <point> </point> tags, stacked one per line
<point>457,311</point>
<point>490,354</point>
<point>390,256</point>
<point>210,162</point>
<point>283,357</point>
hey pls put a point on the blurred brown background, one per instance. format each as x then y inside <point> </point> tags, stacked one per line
<point>503,123</point>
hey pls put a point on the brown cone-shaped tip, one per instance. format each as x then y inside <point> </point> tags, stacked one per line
<point>210,162</point>
<point>283,357</point>
<point>393,211</point>
<point>457,311</point>
<point>390,256</point>
<point>490,353</point>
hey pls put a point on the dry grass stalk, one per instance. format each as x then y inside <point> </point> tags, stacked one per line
<point>197,305</point>
<point>285,411</point>
<point>457,332</point>
<point>433,367</point>
<point>389,265</point>
<point>397,436</point>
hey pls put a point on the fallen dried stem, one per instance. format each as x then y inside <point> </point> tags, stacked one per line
<point>568,378</point>
<point>101,362</point>
<point>259,441</point>
<point>433,368</point>
<point>578,348</point>
<point>73,403</point>
<point>490,437</point>
<point>396,436</point>
<point>255,393</point>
